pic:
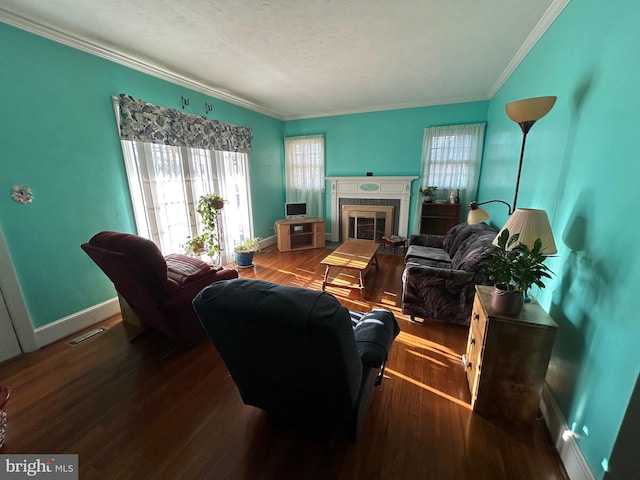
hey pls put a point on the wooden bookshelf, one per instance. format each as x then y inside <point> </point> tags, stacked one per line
<point>439,218</point>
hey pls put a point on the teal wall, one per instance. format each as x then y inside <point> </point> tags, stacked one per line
<point>581,165</point>
<point>59,137</point>
<point>385,143</point>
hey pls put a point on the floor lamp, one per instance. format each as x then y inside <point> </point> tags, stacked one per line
<point>525,113</point>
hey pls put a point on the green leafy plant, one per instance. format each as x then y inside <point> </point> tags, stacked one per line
<point>427,191</point>
<point>514,264</point>
<point>208,242</point>
<point>249,245</point>
<point>194,246</point>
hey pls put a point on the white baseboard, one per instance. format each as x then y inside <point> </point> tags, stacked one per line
<point>54,331</point>
<point>265,242</point>
<point>572,458</point>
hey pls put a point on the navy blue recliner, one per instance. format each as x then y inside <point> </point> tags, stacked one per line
<point>297,353</point>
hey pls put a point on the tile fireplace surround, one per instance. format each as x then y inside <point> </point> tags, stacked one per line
<point>370,188</point>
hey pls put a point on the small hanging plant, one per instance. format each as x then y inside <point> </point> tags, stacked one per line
<point>211,202</point>
<point>208,242</point>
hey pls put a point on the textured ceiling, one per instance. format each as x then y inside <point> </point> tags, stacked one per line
<point>305,58</point>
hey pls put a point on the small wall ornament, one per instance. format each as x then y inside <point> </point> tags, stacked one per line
<point>21,194</point>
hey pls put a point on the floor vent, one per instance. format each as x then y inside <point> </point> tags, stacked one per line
<point>87,336</point>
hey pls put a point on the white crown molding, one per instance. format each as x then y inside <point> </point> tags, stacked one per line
<point>148,67</point>
<point>109,53</point>
<point>554,10</point>
<point>127,60</point>
<point>401,106</point>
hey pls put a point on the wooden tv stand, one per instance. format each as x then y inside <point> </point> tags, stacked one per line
<point>300,234</point>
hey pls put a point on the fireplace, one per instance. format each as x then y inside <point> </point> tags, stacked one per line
<point>383,204</point>
<point>366,222</point>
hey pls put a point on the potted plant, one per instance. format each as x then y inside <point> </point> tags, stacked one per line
<point>194,246</point>
<point>208,242</point>
<point>245,251</point>
<point>515,268</point>
<point>427,193</point>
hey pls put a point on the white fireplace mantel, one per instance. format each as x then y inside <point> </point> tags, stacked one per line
<point>396,188</point>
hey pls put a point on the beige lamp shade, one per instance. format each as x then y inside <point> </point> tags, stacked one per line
<point>476,216</point>
<point>530,109</point>
<point>531,224</point>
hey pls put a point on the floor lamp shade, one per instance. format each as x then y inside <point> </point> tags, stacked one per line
<point>530,109</point>
<point>531,224</point>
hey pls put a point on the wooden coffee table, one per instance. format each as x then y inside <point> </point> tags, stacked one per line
<point>357,255</point>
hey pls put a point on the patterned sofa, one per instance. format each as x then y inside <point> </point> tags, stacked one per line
<point>441,272</point>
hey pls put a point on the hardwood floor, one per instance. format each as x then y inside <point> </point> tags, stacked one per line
<point>145,410</point>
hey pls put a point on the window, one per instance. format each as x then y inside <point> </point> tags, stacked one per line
<point>232,170</point>
<point>166,183</point>
<point>451,158</point>
<point>304,166</point>
<point>173,158</point>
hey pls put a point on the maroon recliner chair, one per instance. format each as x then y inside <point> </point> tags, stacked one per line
<point>158,289</point>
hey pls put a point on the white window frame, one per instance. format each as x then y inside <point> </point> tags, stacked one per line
<point>168,216</point>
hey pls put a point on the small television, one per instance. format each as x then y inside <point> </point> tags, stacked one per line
<point>295,210</point>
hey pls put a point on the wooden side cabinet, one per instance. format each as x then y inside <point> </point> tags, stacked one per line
<point>507,358</point>
<point>299,234</point>
<point>439,218</point>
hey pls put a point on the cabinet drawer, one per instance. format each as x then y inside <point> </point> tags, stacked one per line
<point>477,326</point>
<point>478,316</point>
<point>475,347</point>
<point>473,360</point>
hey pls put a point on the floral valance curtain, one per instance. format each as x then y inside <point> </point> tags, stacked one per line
<point>144,122</point>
